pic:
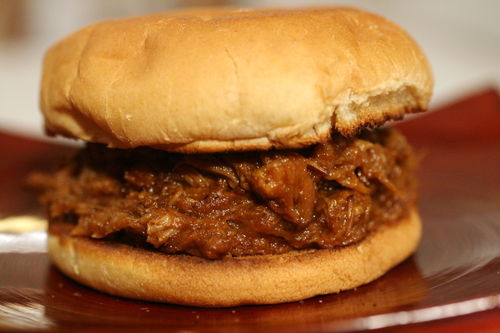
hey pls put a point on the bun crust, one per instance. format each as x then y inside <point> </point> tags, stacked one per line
<point>131,272</point>
<point>232,79</point>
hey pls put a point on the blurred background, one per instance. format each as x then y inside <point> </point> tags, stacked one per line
<point>461,38</point>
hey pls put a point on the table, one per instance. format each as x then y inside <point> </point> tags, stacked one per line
<point>451,284</point>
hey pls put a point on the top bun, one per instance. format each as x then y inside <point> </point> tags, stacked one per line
<point>232,79</point>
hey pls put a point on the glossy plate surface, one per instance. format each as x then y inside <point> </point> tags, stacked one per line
<point>452,282</point>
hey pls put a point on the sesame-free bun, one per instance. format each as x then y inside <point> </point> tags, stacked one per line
<point>131,272</point>
<point>232,79</point>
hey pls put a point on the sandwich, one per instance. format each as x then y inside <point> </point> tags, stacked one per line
<point>233,156</point>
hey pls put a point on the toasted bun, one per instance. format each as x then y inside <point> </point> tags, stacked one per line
<point>232,79</point>
<point>131,272</point>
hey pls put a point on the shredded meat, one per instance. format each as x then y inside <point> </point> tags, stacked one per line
<point>235,204</point>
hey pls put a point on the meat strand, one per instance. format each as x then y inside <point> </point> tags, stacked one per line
<point>235,204</point>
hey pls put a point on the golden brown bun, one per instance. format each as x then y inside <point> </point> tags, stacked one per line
<point>232,79</point>
<point>131,272</point>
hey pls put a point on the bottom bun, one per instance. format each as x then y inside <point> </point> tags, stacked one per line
<point>131,272</point>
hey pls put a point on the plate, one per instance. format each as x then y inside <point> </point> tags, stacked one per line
<point>451,282</point>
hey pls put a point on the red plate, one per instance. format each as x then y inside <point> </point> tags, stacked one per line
<point>452,283</point>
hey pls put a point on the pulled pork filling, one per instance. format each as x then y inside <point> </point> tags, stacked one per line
<point>235,204</point>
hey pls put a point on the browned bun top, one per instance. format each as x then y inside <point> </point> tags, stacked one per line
<point>237,79</point>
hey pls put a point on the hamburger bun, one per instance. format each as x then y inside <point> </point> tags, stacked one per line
<point>218,80</point>
<point>132,272</point>
<point>232,79</point>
